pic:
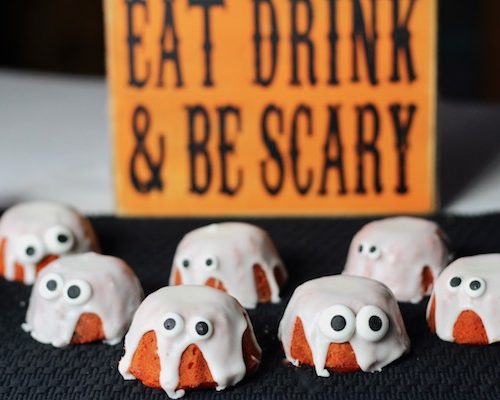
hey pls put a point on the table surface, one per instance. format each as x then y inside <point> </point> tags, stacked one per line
<point>310,248</point>
<point>55,145</point>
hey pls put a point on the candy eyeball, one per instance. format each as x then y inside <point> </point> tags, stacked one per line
<point>372,323</point>
<point>201,328</point>
<point>77,292</point>
<point>29,249</point>
<point>373,252</point>
<point>59,239</point>
<point>454,283</point>
<point>172,324</point>
<point>50,286</point>
<point>337,323</point>
<point>211,263</point>
<point>475,287</point>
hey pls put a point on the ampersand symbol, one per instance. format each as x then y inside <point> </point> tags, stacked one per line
<point>140,150</point>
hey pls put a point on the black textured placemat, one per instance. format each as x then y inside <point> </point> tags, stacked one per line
<point>310,248</point>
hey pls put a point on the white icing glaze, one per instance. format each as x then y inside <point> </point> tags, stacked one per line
<point>222,350</point>
<point>312,298</point>
<point>451,302</point>
<point>37,220</point>
<point>235,247</point>
<point>115,295</point>
<point>404,246</point>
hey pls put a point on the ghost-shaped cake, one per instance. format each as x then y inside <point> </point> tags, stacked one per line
<point>83,298</point>
<point>405,253</point>
<point>343,324</point>
<point>464,305</point>
<point>33,234</point>
<point>235,257</point>
<point>188,337</point>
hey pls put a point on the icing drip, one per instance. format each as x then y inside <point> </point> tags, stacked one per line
<point>78,284</point>
<point>225,255</point>
<point>313,299</point>
<point>30,232</point>
<point>404,253</point>
<point>469,286</point>
<point>181,316</point>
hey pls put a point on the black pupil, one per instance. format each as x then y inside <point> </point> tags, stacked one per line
<point>185,263</point>
<point>30,250</point>
<point>338,323</point>
<point>373,249</point>
<point>375,323</point>
<point>456,281</point>
<point>360,248</point>
<point>51,285</point>
<point>74,291</point>
<point>169,324</point>
<point>208,262</point>
<point>201,328</point>
<point>62,238</point>
<point>475,285</point>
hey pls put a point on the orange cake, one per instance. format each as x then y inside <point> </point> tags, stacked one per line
<point>83,298</point>
<point>405,253</point>
<point>464,304</point>
<point>189,337</point>
<point>343,324</point>
<point>235,257</point>
<point>35,233</point>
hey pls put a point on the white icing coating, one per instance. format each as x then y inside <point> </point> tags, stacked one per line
<point>37,222</point>
<point>450,302</point>
<point>311,299</point>
<point>395,252</point>
<point>222,350</point>
<point>115,294</point>
<point>234,248</point>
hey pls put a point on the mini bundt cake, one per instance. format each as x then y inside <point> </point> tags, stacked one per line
<point>83,298</point>
<point>33,234</point>
<point>343,324</point>
<point>235,257</point>
<point>405,253</point>
<point>189,337</point>
<point>464,306</point>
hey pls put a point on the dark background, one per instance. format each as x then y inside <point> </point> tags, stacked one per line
<point>68,36</point>
<point>310,248</point>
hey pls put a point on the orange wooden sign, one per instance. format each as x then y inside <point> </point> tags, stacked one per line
<point>272,107</point>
